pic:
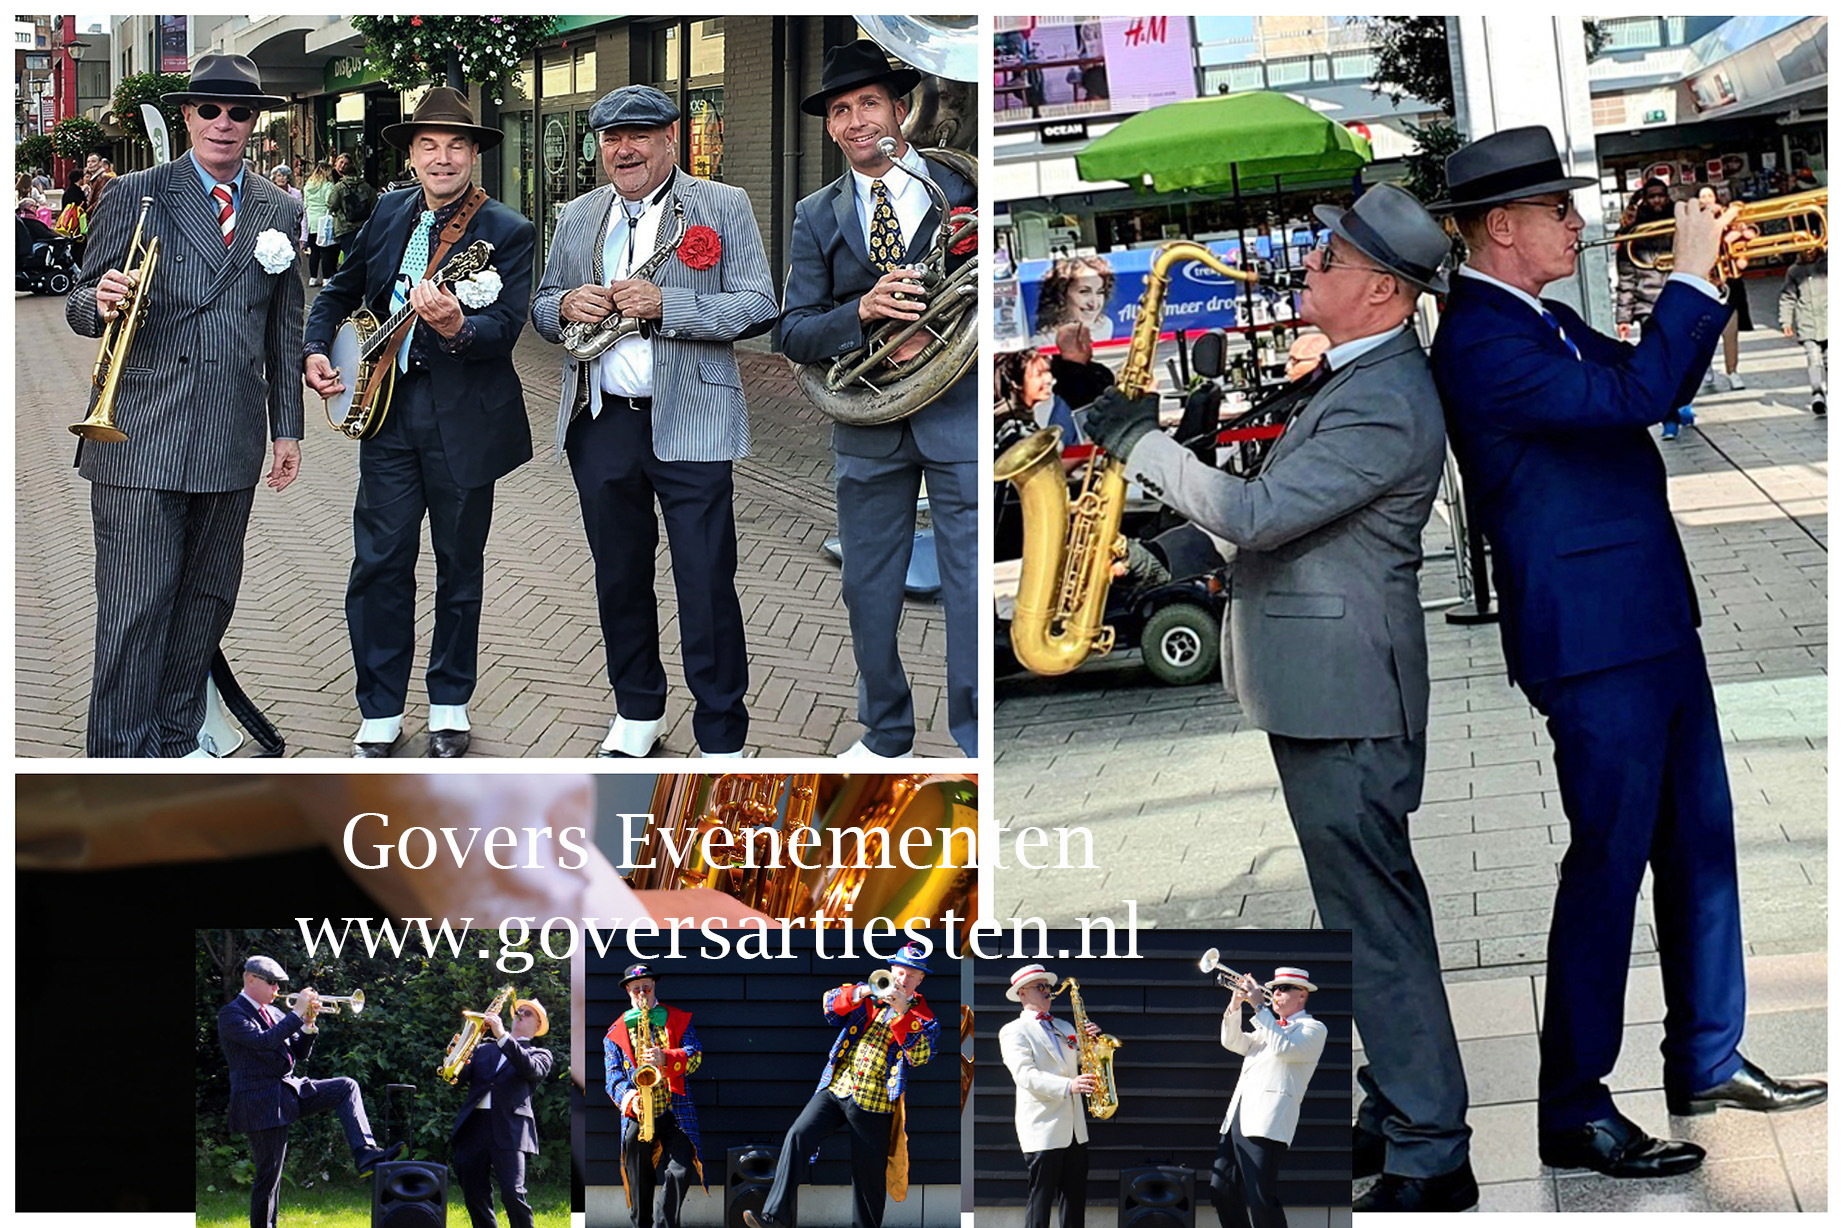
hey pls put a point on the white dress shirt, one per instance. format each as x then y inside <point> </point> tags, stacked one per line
<point>907,197</point>
<point>626,367</point>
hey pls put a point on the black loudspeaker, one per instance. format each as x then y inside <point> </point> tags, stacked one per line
<point>409,1194</point>
<point>1158,1196</point>
<point>750,1176</point>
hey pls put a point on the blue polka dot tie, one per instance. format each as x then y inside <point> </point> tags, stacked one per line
<point>886,245</point>
<point>415,264</point>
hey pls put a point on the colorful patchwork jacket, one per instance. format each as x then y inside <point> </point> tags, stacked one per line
<point>911,1037</point>
<point>682,1053</point>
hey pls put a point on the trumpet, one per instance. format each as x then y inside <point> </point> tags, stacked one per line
<point>1806,215</point>
<point>118,335</point>
<point>355,1002</point>
<point>882,985</point>
<point>1227,977</point>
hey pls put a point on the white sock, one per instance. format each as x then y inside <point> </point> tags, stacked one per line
<point>379,729</point>
<point>443,717</point>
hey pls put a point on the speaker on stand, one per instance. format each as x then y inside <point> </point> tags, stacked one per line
<point>1158,1196</point>
<point>749,1177</point>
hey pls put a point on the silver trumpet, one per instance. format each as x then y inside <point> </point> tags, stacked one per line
<point>1227,977</point>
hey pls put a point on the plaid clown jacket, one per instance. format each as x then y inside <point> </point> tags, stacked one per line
<point>683,1054</point>
<point>911,1040</point>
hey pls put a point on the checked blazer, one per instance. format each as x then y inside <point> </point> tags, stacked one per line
<point>259,1058</point>
<point>215,369</point>
<point>683,1055</point>
<point>699,410</point>
<point>911,1041</point>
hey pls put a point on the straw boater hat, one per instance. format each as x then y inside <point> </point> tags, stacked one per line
<point>1504,166</point>
<point>855,64</point>
<point>447,110</point>
<point>1028,974</point>
<point>1391,228</point>
<point>542,1014</point>
<point>1292,976</point>
<point>225,78</point>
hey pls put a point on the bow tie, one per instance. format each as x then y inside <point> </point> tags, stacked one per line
<point>1043,1016</point>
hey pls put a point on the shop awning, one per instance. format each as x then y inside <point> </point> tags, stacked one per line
<point>1223,141</point>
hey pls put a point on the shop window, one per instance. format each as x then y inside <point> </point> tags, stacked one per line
<point>350,109</point>
<point>705,155</point>
<point>588,156</point>
<point>707,47</point>
<point>518,87</point>
<point>663,65</point>
<point>559,75</point>
<point>585,70</point>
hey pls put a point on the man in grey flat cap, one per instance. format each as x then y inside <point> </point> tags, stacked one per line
<point>649,283</point>
<point>264,1047</point>
<point>1330,649</point>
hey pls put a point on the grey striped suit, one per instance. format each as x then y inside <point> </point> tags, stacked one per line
<point>212,377</point>
<point>677,450</point>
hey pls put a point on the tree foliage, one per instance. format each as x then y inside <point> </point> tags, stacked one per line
<point>76,138</point>
<point>1412,56</point>
<point>147,87</point>
<point>411,51</point>
<point>35,152</point>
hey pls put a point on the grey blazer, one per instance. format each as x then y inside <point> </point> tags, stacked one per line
<point>699,412</point>
<point>1325,620</point>
<point>215,369</point>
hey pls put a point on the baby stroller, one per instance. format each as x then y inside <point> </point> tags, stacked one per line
<point>43,266</point>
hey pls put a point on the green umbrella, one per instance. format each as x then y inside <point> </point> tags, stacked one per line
<point>1222,141</point>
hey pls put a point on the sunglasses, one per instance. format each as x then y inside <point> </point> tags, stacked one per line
<point>1558,208</point>
<point>211,110</point>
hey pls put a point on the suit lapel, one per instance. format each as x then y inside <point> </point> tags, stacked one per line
<point>845,210</point>
<point>256,215</point>
<point>395,238</point>
<point>1307,419</point>
<point>191,211</point>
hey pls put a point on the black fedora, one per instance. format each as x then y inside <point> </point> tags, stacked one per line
<point>1390,227</point>
<point>225,78</point>
<point>855,64</point>
<point>446,109</point>
<point>1507,165</point>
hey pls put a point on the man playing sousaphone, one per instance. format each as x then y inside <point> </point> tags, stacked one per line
<point>455,424</point>
<point>1043,1055</point>
<point>879,1038</point>
<point>852,261</point>
<point>208,383</point>
<point>1280,1047</point>
<point>659,1123</point>
<point>659,414</point>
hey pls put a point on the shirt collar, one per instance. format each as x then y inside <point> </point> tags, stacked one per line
<point>1340,356</point>
<point>652,202</point>
<point>1535,305</point>
<point>245,995</point>
<point>897,184</point>
<point>204,177</point>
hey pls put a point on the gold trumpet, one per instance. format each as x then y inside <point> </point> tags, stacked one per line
<point>1806,215</point>
<point>355,1002</point>
<point>118,336</point>
<point>1227,977</point>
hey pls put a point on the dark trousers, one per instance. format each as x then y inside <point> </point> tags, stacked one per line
<point>870,1139</point>
<point>1638,758</point>
<point>322,261</point>
<point>659,1172</point>
<point>477,1162</point>
<point>168,566</point>
<point>268,1148</point>
<point>876,529</point>
<point>1058,1178</point>
<point>1349,801</point>
<point>403,476</point>
<point>618,479</point>
<point>1244,1182</point>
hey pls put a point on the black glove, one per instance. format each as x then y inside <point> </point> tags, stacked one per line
<point>1116,422</point>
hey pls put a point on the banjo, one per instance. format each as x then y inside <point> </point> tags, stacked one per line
<point>364,351</point>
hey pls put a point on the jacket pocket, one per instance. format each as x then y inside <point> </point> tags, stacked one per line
<point>1587,538</point>
<point>726,374</point>
<point>1303,605</point>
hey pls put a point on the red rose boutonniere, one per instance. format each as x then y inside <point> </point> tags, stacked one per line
<point>700,247</point>
<point>971,241</point>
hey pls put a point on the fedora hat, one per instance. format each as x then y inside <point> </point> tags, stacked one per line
<point>855,64</point>
<point>1391,228</point>
<point>225,78</point>
<point>1507,165</point>
<point>446,109</point>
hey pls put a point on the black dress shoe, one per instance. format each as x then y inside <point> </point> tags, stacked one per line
<point>373,750</point>
<point>1367,1152</point>
<point>1616,1147</point>
<point>749,1217</point>
<point>1750,1088</point>
<point>371,1157</point>
<point>1454,1191</point>
<point>449,743</point>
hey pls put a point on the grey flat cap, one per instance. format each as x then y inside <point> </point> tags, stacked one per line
<point>632,106</point>
<point>265,968</point>
<point>1391,228</point>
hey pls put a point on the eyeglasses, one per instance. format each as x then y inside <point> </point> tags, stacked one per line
<point>1559,209</point>
<point>526,1014</point>
<point>1327,262</point>
<point>211,110</point>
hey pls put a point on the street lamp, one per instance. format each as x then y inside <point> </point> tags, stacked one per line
<point>76,49</point>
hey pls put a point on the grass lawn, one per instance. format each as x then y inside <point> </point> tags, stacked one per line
<point>346,1203</point>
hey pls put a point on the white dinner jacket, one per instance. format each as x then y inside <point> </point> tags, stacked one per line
<point>1277,1063</point>
<point>1048,1117</point>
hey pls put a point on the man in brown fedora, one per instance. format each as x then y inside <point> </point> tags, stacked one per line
<point>456,422</point>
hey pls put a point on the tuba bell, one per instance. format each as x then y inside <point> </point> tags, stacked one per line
<point>118,336</point>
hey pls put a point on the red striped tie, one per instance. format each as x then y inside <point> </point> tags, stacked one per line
<point>227,216</point>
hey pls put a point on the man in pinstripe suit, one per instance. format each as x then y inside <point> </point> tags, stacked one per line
<point>660,415</point>
<point>211,378</point>
<point>854,247</point>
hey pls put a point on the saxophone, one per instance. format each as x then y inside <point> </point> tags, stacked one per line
<point>1070,547</point>
<point>647,1077</point>
<point>461,1048</point>
<point>1096,1054</point>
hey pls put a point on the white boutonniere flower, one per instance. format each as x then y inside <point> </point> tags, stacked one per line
<point>274,251</point>
<point>480,290</point>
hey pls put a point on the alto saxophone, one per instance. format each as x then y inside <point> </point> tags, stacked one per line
<point>461,1048</point>
<point>589,341</point>
<point>1070,547</point>
<point>1096,1054</point>
<point>647,1077</point>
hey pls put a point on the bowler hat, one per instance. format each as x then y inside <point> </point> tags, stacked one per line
<point>1391,228</point>
<point>632,106</point>
<point>446,109</point>
<point>1507,165</point>
<point>225,78</point>
<point>638,972</point>
<point>265,968</point>
<point>855,64</point>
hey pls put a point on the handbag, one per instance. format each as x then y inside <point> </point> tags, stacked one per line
<point>324,236</point>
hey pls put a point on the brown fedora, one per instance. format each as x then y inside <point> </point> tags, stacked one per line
<point>446,109</point>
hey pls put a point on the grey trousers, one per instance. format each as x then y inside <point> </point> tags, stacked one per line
<point>1349,801</point>
<point>1817,366</point>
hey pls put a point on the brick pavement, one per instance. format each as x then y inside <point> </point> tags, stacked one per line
<point>1183,801</point>
<point>543,686</point>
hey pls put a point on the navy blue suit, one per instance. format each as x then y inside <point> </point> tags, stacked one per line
<point>878,469</point>
<point>1599,622</point>
<point>496,1139</point>
<point>267,1095</point>
<point>456,425</point>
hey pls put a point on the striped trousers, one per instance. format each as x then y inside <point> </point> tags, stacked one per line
<point>168,566</point>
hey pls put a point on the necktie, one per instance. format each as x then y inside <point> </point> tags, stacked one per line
<point>886,245</point>
<point>268,1021</point>
<point>415,264</point>
<point>227,216</point>
<point>1548,317</point>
